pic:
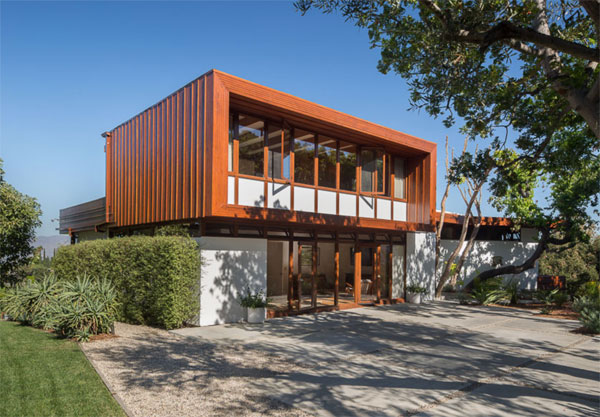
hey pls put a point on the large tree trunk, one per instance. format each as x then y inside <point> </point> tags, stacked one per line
<point>517,269</point>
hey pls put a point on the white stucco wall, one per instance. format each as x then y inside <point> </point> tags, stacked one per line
<point>482,254</point>
<point>229,265</point>
<point>398,271</point>
<point>420,261</point>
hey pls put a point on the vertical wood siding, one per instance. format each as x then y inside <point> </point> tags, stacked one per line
<point>154,161</point>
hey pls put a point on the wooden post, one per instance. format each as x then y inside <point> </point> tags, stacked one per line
<point>290,273</point>
<point>313,298</point>
<point>377,269</point>
<point>336,289</point>
<point>390,270</point>
<point>357,273</point>
<point>298,281</point>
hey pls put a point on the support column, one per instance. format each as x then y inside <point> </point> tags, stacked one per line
<point>313,295</point>
<point>377,269</point>
<point>336,290</point>
<point>299,277</point>
<point>357,273</point>
<point>290,273</point>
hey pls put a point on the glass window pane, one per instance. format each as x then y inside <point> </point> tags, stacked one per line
<point>230,145</point>
<point>399,178</point>
<point>287,145</point>
<point>304,157</point>
<point>274,143</point>
<point>327,161</point>
<point>251,144</point>
<point>368,164</point>
<point>380,175</point>
<point>347,166</point>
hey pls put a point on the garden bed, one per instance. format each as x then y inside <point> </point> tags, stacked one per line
<point>565,312</point>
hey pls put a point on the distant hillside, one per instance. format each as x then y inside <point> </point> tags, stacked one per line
<point>50,243</point>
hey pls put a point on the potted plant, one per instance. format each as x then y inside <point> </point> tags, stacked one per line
<point>255,304</point>
<point>414,292</point>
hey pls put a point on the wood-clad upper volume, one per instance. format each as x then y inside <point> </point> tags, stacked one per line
<point>197,154</point>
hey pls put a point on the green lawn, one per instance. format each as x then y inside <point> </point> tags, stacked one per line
<point>41,375</point>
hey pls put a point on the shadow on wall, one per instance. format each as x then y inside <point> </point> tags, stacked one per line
<point>229,267</point>
<point>489,254</point>
<point>420,266</point>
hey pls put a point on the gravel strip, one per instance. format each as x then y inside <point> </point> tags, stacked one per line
<point>157,373</point>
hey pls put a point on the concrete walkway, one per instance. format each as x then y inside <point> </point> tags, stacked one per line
<point>436,359</point>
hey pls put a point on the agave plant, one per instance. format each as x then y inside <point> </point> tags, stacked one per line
<point>31,302</point>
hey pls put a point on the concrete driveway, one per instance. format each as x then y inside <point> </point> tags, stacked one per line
<point>435,359</point>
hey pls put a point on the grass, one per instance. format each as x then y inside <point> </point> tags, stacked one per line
<point>42,375</point>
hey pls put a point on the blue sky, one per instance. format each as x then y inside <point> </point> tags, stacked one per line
<point>71,70</point>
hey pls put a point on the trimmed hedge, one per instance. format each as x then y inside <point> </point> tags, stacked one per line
<point>156,278</point>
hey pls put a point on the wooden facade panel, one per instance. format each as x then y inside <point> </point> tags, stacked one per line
<point>154,160</point>
<point>169,163</point>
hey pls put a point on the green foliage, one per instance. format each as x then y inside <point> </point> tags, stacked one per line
<point>578,264</point>
<point>511,288</point>
<point>560,298</point>
<point>19,216</point>
<point>76,309</point>
<point>156,278</point>
<point>590,289</point>
<point>31,301</point>
<point>254,299</point>
<point>489,291</point>
<point>525,98</point>
<point>85,307</point>
<point>416,289</point>
<point>589,312</point>
<point>546,296</point>
<point>172,230</point>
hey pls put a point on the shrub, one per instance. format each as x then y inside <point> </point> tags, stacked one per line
<point>560,298</point>
<point>75,309</point>
<point>512,290</point>
<point>254,299</point>
<point>30,301</point>
<point>85,307</point>
<point>489,291</point>
<point>416,289</point>
<point>589,313</point>
<point>156,278</point>
<point>589,289</point>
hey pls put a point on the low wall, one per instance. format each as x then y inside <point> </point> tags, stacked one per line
<point>229,265</point>
<point>481,259</point>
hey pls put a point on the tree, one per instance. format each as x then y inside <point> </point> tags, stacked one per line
<point>529,68</point>
<point>19,216</point>
<point>579,264</point>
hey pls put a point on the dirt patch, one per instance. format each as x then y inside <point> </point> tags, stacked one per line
<point>162,374</point>
<point>564,313</point>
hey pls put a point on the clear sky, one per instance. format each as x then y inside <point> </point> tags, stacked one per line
<point>71,70</point>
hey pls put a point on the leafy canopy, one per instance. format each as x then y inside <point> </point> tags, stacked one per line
<point>19,216</point>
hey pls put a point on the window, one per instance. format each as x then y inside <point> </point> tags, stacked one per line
<point>279,161</point>
<point>373,178</point>
<point>347,166</point>
<point>366,257</point>
<point>399,178</point>
<point>251,145</point>
<point>327,161</point>
<point>304,157</point>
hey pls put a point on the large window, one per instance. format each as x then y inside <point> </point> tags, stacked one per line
<point>327,161</point>
<point>347,166</point>
<point>304,157</point>
<point>399,191</point>
<point>278,140</point>
<point>374,171</point>
<point>251,145</point>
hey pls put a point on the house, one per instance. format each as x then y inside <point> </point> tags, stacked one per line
<point>319,209</point>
